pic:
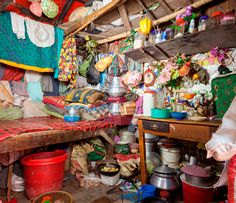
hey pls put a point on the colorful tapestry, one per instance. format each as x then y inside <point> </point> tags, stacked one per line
<point>23,53</point>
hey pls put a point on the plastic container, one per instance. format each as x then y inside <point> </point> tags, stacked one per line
<point>196,194</point>
<point>160,113</point>
<point>43,172</point>
<point>178,115</point>
<point>71,118</point>
<point>146,190</point>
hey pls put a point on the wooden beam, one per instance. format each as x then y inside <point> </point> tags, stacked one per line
<point>149,13</point>
<point>166,6</point>
<point>64,11</point>
<point>164,19</point>
<point>90,18</point>
<point>124,16</point>
<point>28,13</point>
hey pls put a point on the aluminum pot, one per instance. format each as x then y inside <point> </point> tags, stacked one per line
<point>114,108</point>
<point>116,88</point>
<point>165,178</point>
<point>199,181</point>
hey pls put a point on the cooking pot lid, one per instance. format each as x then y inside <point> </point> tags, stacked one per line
<point>195,170</point>
<point>165,170</point>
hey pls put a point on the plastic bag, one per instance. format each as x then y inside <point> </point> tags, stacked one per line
<point>83,68</point>
<point>93,75</point>
<point>103,63</point>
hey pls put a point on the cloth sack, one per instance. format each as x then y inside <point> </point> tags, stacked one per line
<point>93,76</point>
<point>103,63</point>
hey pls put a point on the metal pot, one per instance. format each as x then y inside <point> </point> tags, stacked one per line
<point>114,108</point>
<point>117,88</point>
<point>197,175</point>
<point>165,178</point>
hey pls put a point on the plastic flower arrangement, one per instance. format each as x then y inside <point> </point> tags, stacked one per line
<point>176,71</point>
<point>220,54</point>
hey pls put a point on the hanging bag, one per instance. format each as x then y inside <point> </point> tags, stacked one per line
<point>93,75</point>
<point>83,68</point>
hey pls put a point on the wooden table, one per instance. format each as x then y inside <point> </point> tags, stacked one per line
<point>183,129</point>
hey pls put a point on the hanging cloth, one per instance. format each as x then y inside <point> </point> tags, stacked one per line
<point>40,34</point>
<point>68,60</point>
<point>18,25</point>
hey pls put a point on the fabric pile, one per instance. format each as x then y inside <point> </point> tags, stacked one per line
<point>54,105</point>
<point>90,103</point>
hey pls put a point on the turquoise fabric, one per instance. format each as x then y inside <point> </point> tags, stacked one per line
<point>23,51</point>
<point>35,91</point>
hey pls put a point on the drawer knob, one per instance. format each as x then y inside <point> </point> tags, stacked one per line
<point>155,127</point>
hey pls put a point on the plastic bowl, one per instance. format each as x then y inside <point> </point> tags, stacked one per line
<point>69,118</point>
<point>160,113</point>
<point>113,165</point>
<point>178,115</point>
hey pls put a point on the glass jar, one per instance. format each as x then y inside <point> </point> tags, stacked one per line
<point>179,27</point>
<point>139,41</point>
<point>202,25</point>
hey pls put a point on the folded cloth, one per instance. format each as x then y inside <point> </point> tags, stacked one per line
<point>58,101</point>
<point>55,109</point>
<point>11,113</point>
<point>33,109</point>
<point>12,74</point>
<point>40,34</point>
<point>6,97</point>
<point>52,113</point>
<point>19,88</point>
<point>18,25</point>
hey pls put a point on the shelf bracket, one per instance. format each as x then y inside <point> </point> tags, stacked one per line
<point>124,16</point>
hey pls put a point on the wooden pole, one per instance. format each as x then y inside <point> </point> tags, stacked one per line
<point>164,19</point>
<point>90,18</point>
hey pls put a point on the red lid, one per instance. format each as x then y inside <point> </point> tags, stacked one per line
<point>195,170</point>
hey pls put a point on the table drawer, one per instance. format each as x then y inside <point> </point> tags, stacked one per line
<point>162,127</point>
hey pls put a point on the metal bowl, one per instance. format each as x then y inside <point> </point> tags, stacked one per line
<point>113,165</point>
<point>199,181</point>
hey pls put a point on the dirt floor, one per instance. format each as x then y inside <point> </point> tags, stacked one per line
<point>80,195</point>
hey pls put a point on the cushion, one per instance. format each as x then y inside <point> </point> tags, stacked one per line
<point>85,96</point>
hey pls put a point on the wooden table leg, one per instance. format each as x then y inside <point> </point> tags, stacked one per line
<point>9,182</point>
<point>143,168</point>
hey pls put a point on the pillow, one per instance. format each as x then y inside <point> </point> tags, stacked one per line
<point>85,96</point>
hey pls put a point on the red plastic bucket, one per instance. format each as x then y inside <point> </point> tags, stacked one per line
<point>196,194</point>
<point>43,172</point>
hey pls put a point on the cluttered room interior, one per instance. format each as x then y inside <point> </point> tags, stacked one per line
<point>117,101</point>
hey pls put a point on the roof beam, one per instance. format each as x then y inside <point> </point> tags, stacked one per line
<point>149,13</point>
<point>124,16</point>
<point>166,6</point>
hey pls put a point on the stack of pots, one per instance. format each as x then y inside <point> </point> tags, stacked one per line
<point>116,90</point>
<point>170,153</point>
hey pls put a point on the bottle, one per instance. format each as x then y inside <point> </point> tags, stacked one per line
<point>158,37</point>
<point>164,36</point>
<point>202,23</point>
<point>191,26</point>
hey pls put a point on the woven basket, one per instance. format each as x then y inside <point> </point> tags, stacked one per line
<point>55,195</point>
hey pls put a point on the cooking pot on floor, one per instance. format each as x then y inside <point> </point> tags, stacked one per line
<point>164,178</point>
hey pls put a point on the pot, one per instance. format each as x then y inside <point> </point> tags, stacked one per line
<point>165,178</point>
<point>114,108</point>
<point>117,88</point>
<point>198,176</point>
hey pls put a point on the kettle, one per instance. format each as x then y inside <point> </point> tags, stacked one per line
<point>164,178</point>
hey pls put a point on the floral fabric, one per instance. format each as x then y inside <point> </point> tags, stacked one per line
<point>67,62</point>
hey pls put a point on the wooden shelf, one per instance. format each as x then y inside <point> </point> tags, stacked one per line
<point>200,42</point>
